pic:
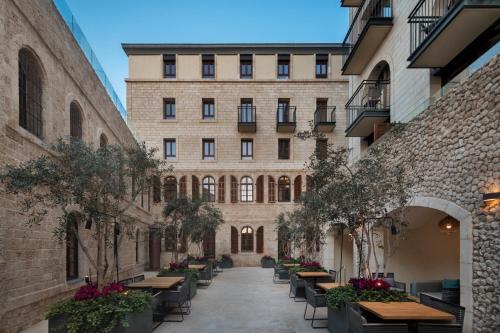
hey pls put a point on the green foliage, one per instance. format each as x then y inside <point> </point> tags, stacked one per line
<point>335,297</point>
<point>194,273</point>
<point>307,269</point>
<point>100,314</point>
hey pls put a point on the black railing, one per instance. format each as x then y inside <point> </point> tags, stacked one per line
<point>371,95</point>
<point>425,18</point>
<point>247,114</point>
<point>369,10</point>
<point>324,115</point>
<point>285,114</point>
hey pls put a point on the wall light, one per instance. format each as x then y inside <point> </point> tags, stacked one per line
<point>489,197</point>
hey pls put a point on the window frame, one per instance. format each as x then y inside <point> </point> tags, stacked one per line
<point>321,66</point>
<point>208,62</point>
<point>245,154</point>
<point>72,250</point>
<point>169,109</point>
<point>280,148</point>
<point>169,63</point>
<point>284,186</point>
<point>247,239</point>
<point>208,188</point>
<point>210,102</point>
<point>166,143</point>
<point>246,189</point>
<point>208,156</point>
<point>31,86</point>
<point>283,63</point>
<point>246,66</point>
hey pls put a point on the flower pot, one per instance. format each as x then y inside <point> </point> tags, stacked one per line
<point>226,263</point>
<point>267,263</point>
<point>337,320</point>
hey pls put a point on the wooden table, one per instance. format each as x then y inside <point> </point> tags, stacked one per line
<point>405,311</point>
<point>328,286</point>
<point>290,265</point>
<point>305,275</point>
<point>166,282</point>
<point>198,267</point>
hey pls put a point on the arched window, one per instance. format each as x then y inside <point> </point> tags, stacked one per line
<point>260,240</point>
<point>221,189</point>
<point>30,93</point>
<point>284,189</point>
<point>170,188</point>
<point>71,248</point>
<point>259,187</point>
<point>246,189</point>
<point>234,189</point>
<point>209,189</point>
<point>195,187</point>
<point>75,121</point>
<point>297,189</point>
<point>103,140</point>
<point>156,189</point>
<point>247,239</point>
<point>183,187</point>
<point>271,188</point>
<point>234,240</point>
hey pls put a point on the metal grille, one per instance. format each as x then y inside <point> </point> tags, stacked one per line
<point>30,93</point>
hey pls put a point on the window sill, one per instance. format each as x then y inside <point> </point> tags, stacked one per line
<point>168,121</point>
<point>208,161</point>
<point>213,120</point>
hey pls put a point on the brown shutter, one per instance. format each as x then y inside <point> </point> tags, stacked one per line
<point>260,240</point>
<point>195,188</point>
<point>209,244</point>
<point>183,187</point>
<point>297,189</point>
<point>260,189</point>
<point>271,189</point>
<point>234,240</point>
<point>222,189</point>
<point>234,189</point>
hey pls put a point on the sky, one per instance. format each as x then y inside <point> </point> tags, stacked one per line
<point>109,23</point>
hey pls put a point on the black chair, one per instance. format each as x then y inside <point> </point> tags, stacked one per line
<point>377,276</point>
<point>333,274</point>
<point>206,276</point>
<point>439,328</point>
<point>317,300</point>
<point>390,275</point>
<point>454,309</point>
<point>358,324</point>
<point>159,311</point>
<point>297,288</point>
<point>395,285</point>
<point>179,300</point>
<point>126,282</point>
<point>139,278</point>
<point>281,275</point>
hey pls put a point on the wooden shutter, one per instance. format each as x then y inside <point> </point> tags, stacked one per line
<point>271,189</point>
<point>260,189</point>
<point>260,240</point>
<point>195,187</point>
<point>234,240</point>
<point>222,189</point>
<point>297,189</point>
<point>156,189</point>
<point>209,244</point>
<point>183,187</point>
<point>234,189</point>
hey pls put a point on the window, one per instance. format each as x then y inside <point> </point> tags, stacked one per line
<point>246,149</point>
<point>283,66</point>
<point>221,189</point>
<point>169,65</point>
<point>259,188</point>
<point>321,148</point>
<point>208,108</point>
<point>169,148</point>
<point>234,240</point>
<point>283,149</point>
<point>75,122</point>
<point>170,188</point>
<point>297,189</point>
<point>103,140</point>
<point>71,247</point>
<point>195,187</point>
<point>260,240</point>
<point>284,189</point>
<point>183,187</point>
<point>30,93</point>
<point>321,66</point>
<point>284,115</point>
<point>234,189</point>
<point>208,189</point>
<point>246,111</point>
<point>169,108</point>
<point>246,189</point>
<point>208,66</point>
<point>271,188</point>
<point>246,239</point>
<point>156,189</point>
<point>245,66</point>
<point>208,149</point>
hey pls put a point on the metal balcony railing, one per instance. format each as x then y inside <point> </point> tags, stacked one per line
<point>247,114</point>
<point>324,115</point>
<point>369,10</point>
<point>286,115</point>
<point>425,18</point>
<point>370,96</point>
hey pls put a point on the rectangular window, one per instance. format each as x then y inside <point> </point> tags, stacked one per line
<point>321,148</point>
<point>246,111</point>
<point>169,65</point>
<point>245,66</point>
<point>169,148</point>
<point>208,149</point>
<point>321,66</point>
<point>208,108</point>
<point>283,66</point>
<point>246,149</point>
<point>169,108</point>
<point>284,149</point>
<point>208,66</point>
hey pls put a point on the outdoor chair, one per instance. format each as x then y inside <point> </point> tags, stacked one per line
<point>297,288</point>
<point>358,324</point>
<point>377,276</point>
<point>159,310</point>
<point>396,285</point>
<point>126,282</point>
<point>390,275</point>
<point>179,300</point>
<point>139,278</point>
<point>317,300</point>
<point>456,310</point>
<point>333,274</point>
<point>281,275</point>
<point>206,276</point>
<point>427,286</point>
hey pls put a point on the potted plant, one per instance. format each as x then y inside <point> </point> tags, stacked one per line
<point>182,269</point>
<point>226,261</point>
<point>362,289</point>
<point>267,262</point>
<point>308,266</point>
<point>110,310</point>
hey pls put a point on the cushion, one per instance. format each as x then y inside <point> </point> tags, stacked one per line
<point>451,284</point>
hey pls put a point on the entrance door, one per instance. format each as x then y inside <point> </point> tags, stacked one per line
<point>209,245</point>
<point>154,249</point>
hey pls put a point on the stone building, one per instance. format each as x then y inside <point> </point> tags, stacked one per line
<point>48,90</point>
<point>227,117</point>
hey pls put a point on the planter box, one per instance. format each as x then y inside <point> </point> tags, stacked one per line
<point>267,263</point>
<point>337,320</point>
<point>226,263</point>
<point>138,323</point>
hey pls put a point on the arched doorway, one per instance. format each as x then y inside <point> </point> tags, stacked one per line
<point>209,245</point>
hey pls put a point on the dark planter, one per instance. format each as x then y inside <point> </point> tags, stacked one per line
<point>226,263</point>
<point>337,320</point>
<point>138,323</point>
<point>267,263</point>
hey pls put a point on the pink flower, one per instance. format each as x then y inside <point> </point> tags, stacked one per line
<point>112,288</point>
<point>88,291</point>
<point>369,284</point>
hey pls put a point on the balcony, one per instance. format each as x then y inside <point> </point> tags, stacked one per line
<point>442,29</point>
<point>247,119</point>
<point>368,106</point>
<point>324,119</point>
<point>351,3</point>
<point>370,25</point>
<point>285,119</point>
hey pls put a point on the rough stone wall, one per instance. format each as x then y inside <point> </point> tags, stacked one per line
<point>32,262</point>
<point>456,147</point>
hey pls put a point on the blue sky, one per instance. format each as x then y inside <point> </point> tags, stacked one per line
<point>109,23</point>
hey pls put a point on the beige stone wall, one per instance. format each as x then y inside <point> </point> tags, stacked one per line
<point>265,66</point>
<point>32,262</point>
<point>146,66</point>
<point>227,66</point>
<point>188,66</point>
<point>303,66</point>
